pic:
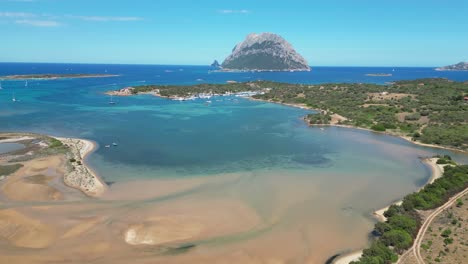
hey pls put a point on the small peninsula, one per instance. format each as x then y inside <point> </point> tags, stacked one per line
<point>55,76</point>
<point>461,66</point>
<point>264,52</point>
<point>425,111</point>
<point>379,74</point>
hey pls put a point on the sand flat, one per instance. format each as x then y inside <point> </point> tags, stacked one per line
<point>23,231</point>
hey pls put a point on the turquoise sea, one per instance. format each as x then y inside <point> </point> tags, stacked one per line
<point>276,158</point>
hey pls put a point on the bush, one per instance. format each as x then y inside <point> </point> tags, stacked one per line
<point>378,127</point>
<point>404,223</point>
<point>55,143</point>
<point>413,117</point>
<point>398,239</point>
<point>446,233</point>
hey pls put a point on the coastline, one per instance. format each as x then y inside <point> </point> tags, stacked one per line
<point>83,177</point>
<point>54,77</point>
<point>305,107</point>
<point>437,171</point>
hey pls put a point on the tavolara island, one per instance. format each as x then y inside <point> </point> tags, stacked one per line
<point>54,76</point>
<point>461,66</point>
<point>264,52</point>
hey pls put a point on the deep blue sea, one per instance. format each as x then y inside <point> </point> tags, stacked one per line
<point>283,165</point>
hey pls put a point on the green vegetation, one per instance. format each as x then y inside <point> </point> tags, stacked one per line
<point>431,111</point>
<point>433,195</point>
<point>400,229</point>
<point>319,119</point>
<point>446,159</point>
<point>9,169</point>
<point>55,143</point>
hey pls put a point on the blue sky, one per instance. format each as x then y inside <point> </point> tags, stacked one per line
<point>326,33</point>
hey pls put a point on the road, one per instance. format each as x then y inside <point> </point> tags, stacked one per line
<point>415,250</point>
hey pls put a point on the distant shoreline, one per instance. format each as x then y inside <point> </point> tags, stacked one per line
<point>54,76</point>
<point>261,70</point>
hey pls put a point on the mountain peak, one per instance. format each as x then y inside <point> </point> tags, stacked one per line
<point>265,52</point>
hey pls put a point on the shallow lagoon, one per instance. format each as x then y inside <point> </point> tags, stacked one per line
<point>310,189</point>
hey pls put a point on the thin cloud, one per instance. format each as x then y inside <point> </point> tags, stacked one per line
<point>38,23</point>
<point>16,14</point>
<point>233,11</point>
<point>106,18</point>
<point>49,20</point>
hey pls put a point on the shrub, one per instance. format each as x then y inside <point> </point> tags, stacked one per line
<point>378,127</point>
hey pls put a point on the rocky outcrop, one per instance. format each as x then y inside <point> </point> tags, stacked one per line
<point>215,64</point>
<point>265,52</point>
<point>461,66</point>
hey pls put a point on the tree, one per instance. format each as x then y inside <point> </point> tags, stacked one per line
<point>398,239</point>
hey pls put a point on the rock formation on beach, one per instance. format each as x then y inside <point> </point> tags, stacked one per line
<point>265,52</point>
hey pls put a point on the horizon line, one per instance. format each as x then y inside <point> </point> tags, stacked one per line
<point>207,65</point>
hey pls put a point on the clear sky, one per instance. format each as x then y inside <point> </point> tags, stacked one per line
<point>326,33</point>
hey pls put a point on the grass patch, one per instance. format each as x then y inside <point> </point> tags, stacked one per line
<point>9,169</point>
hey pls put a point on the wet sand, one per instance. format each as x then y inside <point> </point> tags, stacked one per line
<point>437,171</point>
<point>250,217</point>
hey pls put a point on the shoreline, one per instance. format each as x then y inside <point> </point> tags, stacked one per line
<point>305,107</point>
<point>437,171</point>
<point>83,177</point>
<point>53,77</point>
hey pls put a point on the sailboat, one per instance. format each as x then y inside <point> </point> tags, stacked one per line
<point>14,98</point>
<point>1,85</point>
<point>26,83</point>
<point>111,102</point>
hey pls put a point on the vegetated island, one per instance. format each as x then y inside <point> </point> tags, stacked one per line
<point>431,112</point>
<point>461,66</point>
<point>379,74</point>
<point>55,76</point>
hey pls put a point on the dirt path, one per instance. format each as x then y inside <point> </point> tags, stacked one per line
<point>415,250</point>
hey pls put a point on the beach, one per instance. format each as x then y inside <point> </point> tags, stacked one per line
<point>83,178</point>
<point>437,171</point>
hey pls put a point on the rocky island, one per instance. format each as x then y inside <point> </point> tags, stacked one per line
<point>461,66</point>
<point>215,64</point>
<point>264,52</point>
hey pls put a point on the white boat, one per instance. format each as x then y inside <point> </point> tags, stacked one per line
<point>114,144</point>
<point>14,98</point>
<point>111,102</point>
<point>26,83</point>
<point>107,146</point>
